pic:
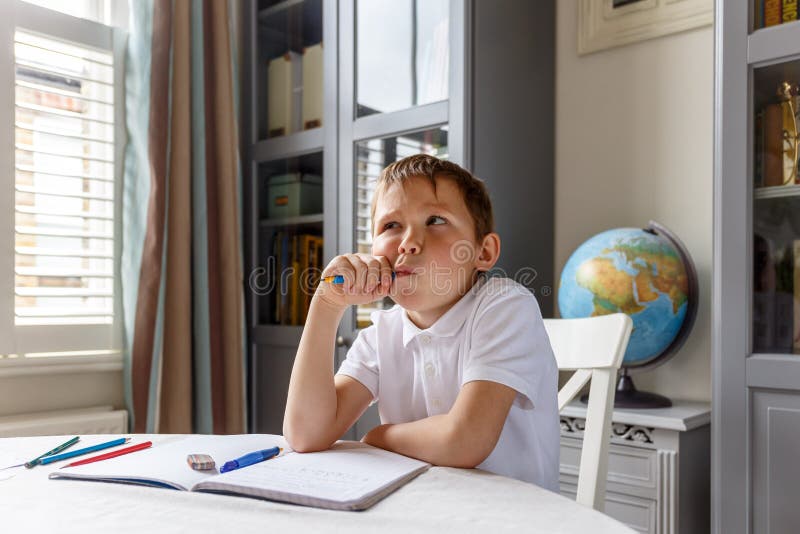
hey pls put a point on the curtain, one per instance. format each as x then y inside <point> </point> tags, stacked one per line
<point>183,300</point>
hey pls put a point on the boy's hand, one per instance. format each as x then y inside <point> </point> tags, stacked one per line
<point>366,279</point>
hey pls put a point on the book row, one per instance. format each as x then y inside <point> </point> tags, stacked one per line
<point>773,12</point>
<point>298,260</point>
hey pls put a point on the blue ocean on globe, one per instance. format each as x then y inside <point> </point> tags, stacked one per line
<point>631,271</point>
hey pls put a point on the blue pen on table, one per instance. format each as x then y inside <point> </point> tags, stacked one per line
<point>38,459</point>
<point>86,450</point>
<point>250,459</point>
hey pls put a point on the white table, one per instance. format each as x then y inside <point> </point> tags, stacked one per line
<point>440,500</point>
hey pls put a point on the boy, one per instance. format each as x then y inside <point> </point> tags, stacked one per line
<point>462,365</point>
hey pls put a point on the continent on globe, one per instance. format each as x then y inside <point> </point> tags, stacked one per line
<point>612,289</point>
<point>658,270</point>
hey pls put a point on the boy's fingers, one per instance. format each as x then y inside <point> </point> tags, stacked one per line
<point>371,272</point>
<point>386,271</point>
<point>373,275</point>
<point>359,273</point>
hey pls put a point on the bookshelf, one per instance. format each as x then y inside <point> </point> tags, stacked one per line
<point>756,293</point>
<point>397,78</point>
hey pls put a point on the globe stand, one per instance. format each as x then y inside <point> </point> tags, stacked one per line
<point>627,396</point>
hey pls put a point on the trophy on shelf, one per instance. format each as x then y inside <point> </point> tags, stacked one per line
<point>787,96</point>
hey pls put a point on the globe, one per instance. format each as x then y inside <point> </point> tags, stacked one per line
<point>644,273</point>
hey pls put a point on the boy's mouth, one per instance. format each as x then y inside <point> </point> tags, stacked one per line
<point>405,271</point>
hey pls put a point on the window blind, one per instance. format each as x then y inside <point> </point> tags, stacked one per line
<point>63,182</point>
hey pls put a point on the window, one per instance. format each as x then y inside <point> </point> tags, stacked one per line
<point>372,155</point>
<point>60,114</point>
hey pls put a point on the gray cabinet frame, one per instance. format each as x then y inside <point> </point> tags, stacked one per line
<point>755,397</point>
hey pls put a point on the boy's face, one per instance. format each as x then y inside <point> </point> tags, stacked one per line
<point>429,239</point>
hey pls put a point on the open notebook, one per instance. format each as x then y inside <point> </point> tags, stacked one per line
<point>349,476</point>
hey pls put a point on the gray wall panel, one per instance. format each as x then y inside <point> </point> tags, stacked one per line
<point>513,131</point>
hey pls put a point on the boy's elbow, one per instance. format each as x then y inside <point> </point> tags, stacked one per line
<point>470,459</point>
<point>303,441</point>
<point>469,448</point>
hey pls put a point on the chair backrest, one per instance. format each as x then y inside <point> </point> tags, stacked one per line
<point>594,348</point>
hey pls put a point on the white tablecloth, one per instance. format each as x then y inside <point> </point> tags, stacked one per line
<point>438,501</point>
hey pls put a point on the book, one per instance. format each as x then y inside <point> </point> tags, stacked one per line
<point>294,283</point>
<point>772,12</point>
<point>789,10</point>
<point>312,86</point>
<point>284,84</point>
<point>285,278</point>
<point>277,238</point>
<point>758,150</point>
<point>758,14</point>
<point>773,145</point>
<point>764,286</point>
<point>348,476</point>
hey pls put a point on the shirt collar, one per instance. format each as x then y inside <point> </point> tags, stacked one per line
<point>448,324</point>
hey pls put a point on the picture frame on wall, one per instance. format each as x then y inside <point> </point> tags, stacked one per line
<point>604,24</point>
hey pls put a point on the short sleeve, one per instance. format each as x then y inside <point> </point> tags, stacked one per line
<point>510,346</point>
<point>361,362</point>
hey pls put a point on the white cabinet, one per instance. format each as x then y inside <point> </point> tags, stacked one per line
<point>658,466</point>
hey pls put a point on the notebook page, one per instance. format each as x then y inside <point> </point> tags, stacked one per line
<point>165,463</point>
<point>346,474</point>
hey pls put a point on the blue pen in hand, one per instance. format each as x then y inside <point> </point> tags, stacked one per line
<point>250,459</point>
<point>339,279</point>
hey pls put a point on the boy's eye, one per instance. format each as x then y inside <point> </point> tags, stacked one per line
<point>435,219</point>
<point>390,225</point>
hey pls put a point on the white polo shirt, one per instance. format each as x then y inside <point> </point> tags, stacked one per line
<point>495,332</point>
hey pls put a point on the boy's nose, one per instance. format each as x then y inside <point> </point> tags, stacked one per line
<point>409,245</point>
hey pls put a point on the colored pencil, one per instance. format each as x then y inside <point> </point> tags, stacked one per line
<point>113,454</point>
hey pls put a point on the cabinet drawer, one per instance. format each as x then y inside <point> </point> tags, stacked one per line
<point>636,512</point>
<point>629,466</point>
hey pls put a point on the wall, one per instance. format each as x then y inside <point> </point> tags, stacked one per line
<point>634,142</point>
<point>512,141</point>
<point>60,391</point>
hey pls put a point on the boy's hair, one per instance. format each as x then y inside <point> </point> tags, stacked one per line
<point>473,190</point>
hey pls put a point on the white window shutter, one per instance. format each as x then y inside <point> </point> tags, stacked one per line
<point>60,262</point>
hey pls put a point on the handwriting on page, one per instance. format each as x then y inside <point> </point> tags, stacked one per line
<point>321,482</point>
<point>344,472</point>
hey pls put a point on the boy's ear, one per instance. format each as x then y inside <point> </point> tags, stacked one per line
<point>488,253</point>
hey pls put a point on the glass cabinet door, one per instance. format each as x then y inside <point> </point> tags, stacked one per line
<point>290,155</point>
<point>289,67</point>
<point>372,155</point>
<point>402,54</point>
<point>776,210</point>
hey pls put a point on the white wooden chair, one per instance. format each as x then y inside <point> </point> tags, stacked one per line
<point>594,348</point>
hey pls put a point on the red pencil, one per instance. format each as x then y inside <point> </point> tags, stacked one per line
<point>108,455</point>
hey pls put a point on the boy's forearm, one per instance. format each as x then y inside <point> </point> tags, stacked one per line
<point>436,440</point>
<point>311,401</point>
